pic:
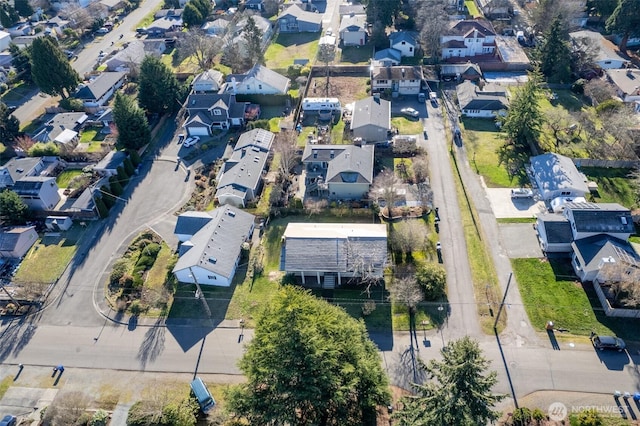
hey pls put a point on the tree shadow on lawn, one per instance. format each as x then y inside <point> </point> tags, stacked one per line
<point>287,40</point>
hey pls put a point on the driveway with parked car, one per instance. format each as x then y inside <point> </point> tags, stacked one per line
<point>506,204</point>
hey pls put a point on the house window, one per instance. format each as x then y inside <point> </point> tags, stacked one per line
<point>607,62</point>
<point>382,81</point>
<point>212,277</point>
<point>248,87</point>
<point>411,49</point>
<point>565,193</point>
<point>412,81</point>
<point>259,86</point>
<point>403,43</point>
<point>216,112</point>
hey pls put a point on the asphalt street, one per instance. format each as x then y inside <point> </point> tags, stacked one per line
<point>33,106</point>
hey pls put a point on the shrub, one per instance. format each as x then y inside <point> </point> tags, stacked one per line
<point>44,149</point>
<point>117,272</point>
<point>135,157</point>
<point>433,280</point>
<point>578,86</point>
<point>305,71</point>
<point>126,281</point>
<point>522,416</point>
<point>294,71</point>
<point>128,166</point>
<point>258,124</point>
<point>610,105</point>
<point>99,418</point>
<point>72,104</point>
<point>136,307</point>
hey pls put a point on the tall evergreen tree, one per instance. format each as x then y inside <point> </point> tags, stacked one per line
<point>625,21</point>
<point>524,118</point>
<point>21,61</point>
<point>555,54</point>
<point>382,11</point>
<point>133,128</point>
<point>191,16</point>
<point>309,363</point>
<point>13,210</point>
<point>253,36</point>
<point>23,8</point>
<point>158,90</point>
<point>458,392</point>
<point>8,15</point>
<point>9,124</point>
<point>50,68</point>
<point>203,6</point>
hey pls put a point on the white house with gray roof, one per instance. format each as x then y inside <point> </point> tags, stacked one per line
<point>605,54</point>
<point>296,20</point>
<point>626,83</point>
<point>353,30</point>
<point>371,119</point>
<point>342,172</point>
<point>240,178</point>
<point>207,81</point>
<point>38,192</point>
<point>212,253</point>
<point>99,90</point>
<point>405,42</point>
<point>594,255</point>
<point>482,100</point>
<point>323,254</point>
<point>259,80</point>
<point>557,177</point>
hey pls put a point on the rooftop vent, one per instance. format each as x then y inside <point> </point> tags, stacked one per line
<point>212,260</point>
<point>232,214</point>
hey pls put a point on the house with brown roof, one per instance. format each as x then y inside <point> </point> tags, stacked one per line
<point>468,38</point>
<point>403,80</point>
<point>626,82</point>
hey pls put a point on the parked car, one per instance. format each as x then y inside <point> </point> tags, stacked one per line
<point>607,342</point>
<point>191,141</point>
<point>410,112</point>
<point>102,30</point>
<point>329,31</point>
<point>181,138</point>
<point>141,30</point>
<point>8,420</point>
<point>433,97</point>
<point>438,247</point>
<point>521,193</point>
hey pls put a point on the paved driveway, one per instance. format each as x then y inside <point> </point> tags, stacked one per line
<point>520,240</point>
<point>504,206</point>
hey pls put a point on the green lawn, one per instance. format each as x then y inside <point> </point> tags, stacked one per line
<point>406,126</point>
<point>65,177</point>
<point>287,47</point>
<point>549,293</point>
<point>337,133</point>
<point>473,9</point>
<point>303,137</point>
<point>614,185</point>
<point>18,92</point>
<point>483,141</point>
<point>355,55</point>
<point>48,257</point>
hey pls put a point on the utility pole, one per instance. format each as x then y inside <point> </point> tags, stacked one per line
<point>200,294</point>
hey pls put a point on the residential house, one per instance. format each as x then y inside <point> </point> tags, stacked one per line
<point>591,219</point>
<point>347,9</point>
<point>387,58</point>
<point>113,5</point>
<point>342,172</point>
<point>189,223</point>
<point>259,80</point>
<point>58,223</point>
<point>164,25</point>
<point>468,38</point>
<point>558,179</point>
<point>16,242</point>
<point>217,27</point>
<point>495,9</point>
<point>211,255</point>
<point>254,5</point>
<point>17,168</point>
<point>405,42</point>
<point>5,40</point>
<point>240,178</point>
<point>554,233</point>
<point>328,254</point>
<point>236,33</point>
<point>131,56</point>
<point>594,255</point>
<point>38,192</point>
<point>84,206</point>
<point>168,14</point>
<point>353,30</point>
<point>403,80</point>
<point>207,81</point>
<point>371,119</point>
<point>63,129</point>
<point>460,72</point>
<point>211,111</point>
<point>58,24</point>
<point>25,41</point>
<point>20,29</point>
<point>108,166</point>
<point>100,90</point>
<point>295,20</point>
<point>626,82</point>
<point>482,100</point>
<point>604,51</point>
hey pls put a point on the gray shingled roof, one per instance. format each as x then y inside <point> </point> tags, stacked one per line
<point>557,228</point>
<point>259,138</point>
<point>627,80</point>
<point>263,74</point>
<point>30,185</point>
<point>601,217</point>
<point>9,238</point>
<point>101,85</point>
<point>217,245</point>
<point>490,98</point>
<point>398,72</point>
<point>16,168</point>
<point>189,223</point>
<point>333,247</point>
<point>301,15</point>
<point>353,23</point>
<point>589,39</point>
<point>555,172</point>
<point>400,36</point>
<point>346,163</point>
<point>590,251</point>
<point>454,69</point>
<point>111,161</point>
<point>388,53</point>
<point>58,124</point>
<point>371,110</point>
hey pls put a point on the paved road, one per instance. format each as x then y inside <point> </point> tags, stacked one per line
<point>34,105</point>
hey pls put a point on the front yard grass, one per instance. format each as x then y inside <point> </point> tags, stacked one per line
<point>472,9</point>
<point>406,126</point>
<point>66,176</point>
<point>551,293</point>
<point>49,256</point>
<point>355,55</point>
<point>287,47</point>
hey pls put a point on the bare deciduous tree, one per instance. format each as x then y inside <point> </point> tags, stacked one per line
<point>385,186</point>
<point>201,47</point>
<point>406,291</point>
<point>79,17</point>
<point>285,147</point>
<point>423,193</point>
<point>326,55</point>
<point>421,167</point>
<point>432,21</point>
<point>568,10</point>
<point>598,91</point>
<point>409,235</point>
<point>558,120</point>
<point>622,279</point>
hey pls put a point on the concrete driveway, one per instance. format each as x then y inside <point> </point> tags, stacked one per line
<point>520,240</point>
<point>504,206</point>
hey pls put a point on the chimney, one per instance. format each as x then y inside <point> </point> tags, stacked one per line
<point>402,72</point>
<point>481,84</point>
